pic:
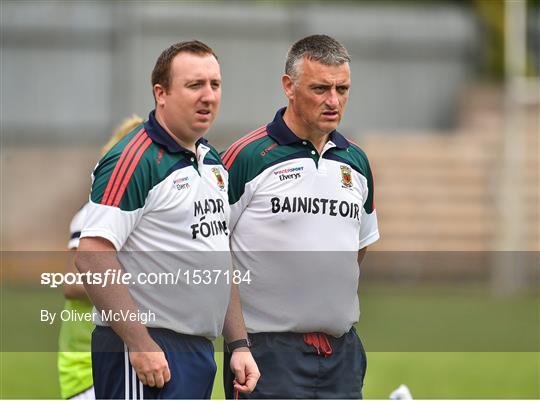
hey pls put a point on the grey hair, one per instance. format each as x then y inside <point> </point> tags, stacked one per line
<point>322,48</point>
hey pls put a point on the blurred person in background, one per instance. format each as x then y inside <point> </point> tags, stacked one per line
<point>154,194</point>
<point>74,357</point>
<point>297,184</point>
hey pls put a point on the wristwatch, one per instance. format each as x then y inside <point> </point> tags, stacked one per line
<point>244,342</point>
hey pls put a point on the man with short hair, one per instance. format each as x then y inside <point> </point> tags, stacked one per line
<point>302,216</point>
<point>158,210</point>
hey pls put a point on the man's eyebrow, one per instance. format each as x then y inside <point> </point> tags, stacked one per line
<point>326,85</point>
<point>199,80</point>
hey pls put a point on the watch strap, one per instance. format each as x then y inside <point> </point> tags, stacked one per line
<point>244,342</point>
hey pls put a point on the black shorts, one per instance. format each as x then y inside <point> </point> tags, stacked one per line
<point>190,358</point>
<point>291,368</point>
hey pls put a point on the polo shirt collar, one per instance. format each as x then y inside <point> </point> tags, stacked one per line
<point>158,135</point>
<point>282,134</point>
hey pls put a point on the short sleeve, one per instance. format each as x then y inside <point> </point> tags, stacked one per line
<point>76,226</point>
<point>369,228</point>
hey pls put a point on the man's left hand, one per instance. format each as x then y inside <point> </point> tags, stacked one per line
<point>245,370</point>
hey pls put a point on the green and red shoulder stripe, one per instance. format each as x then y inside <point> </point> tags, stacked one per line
<point>230,154</point>
<point>126,173</point>
<point>125,167</point>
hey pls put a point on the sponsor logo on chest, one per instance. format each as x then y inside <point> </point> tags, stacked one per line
<point>181,183</point>
<point>209,216</point>
<point>292,173</point>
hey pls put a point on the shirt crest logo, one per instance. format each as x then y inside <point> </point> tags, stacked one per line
<point>219,178</point>
<point>346,177</point>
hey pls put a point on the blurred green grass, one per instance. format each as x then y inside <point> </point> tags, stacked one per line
<point>432,375</point>
<point>493,375</point>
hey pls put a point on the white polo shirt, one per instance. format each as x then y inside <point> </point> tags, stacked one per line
<point>298,220</point>
<point>165,210</point>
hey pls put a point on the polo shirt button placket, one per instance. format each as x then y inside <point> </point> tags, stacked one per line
<point>313,153</point>
<point>321,168</point>
<point>194,164</point>
<point>315,157</point>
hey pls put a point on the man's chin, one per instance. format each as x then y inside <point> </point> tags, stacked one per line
<point>200,130</point>
<point>193,134</point>
<point>328,127</point>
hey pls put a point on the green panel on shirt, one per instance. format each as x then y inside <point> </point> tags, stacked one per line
<point>155,164</point>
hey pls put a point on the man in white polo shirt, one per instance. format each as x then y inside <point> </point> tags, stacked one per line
<point>302,216</point>
<point>158,211</point>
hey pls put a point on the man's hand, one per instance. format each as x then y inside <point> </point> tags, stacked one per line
<point>245,370</point>
<point>96,254</point>
<point>151,367</point>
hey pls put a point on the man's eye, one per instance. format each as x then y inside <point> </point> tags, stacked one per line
<point>319,89</point>
<point>216,85</point>
<point>194,85</point>
<point>342,89</point>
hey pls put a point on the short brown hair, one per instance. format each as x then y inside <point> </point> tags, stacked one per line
<point>161,74</point>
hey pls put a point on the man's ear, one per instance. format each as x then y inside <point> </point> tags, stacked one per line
<point>288,86</point>
<point>159,94</point>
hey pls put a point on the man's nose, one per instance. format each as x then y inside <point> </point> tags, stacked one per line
<point>209,94</point>
<point>332,100</point>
